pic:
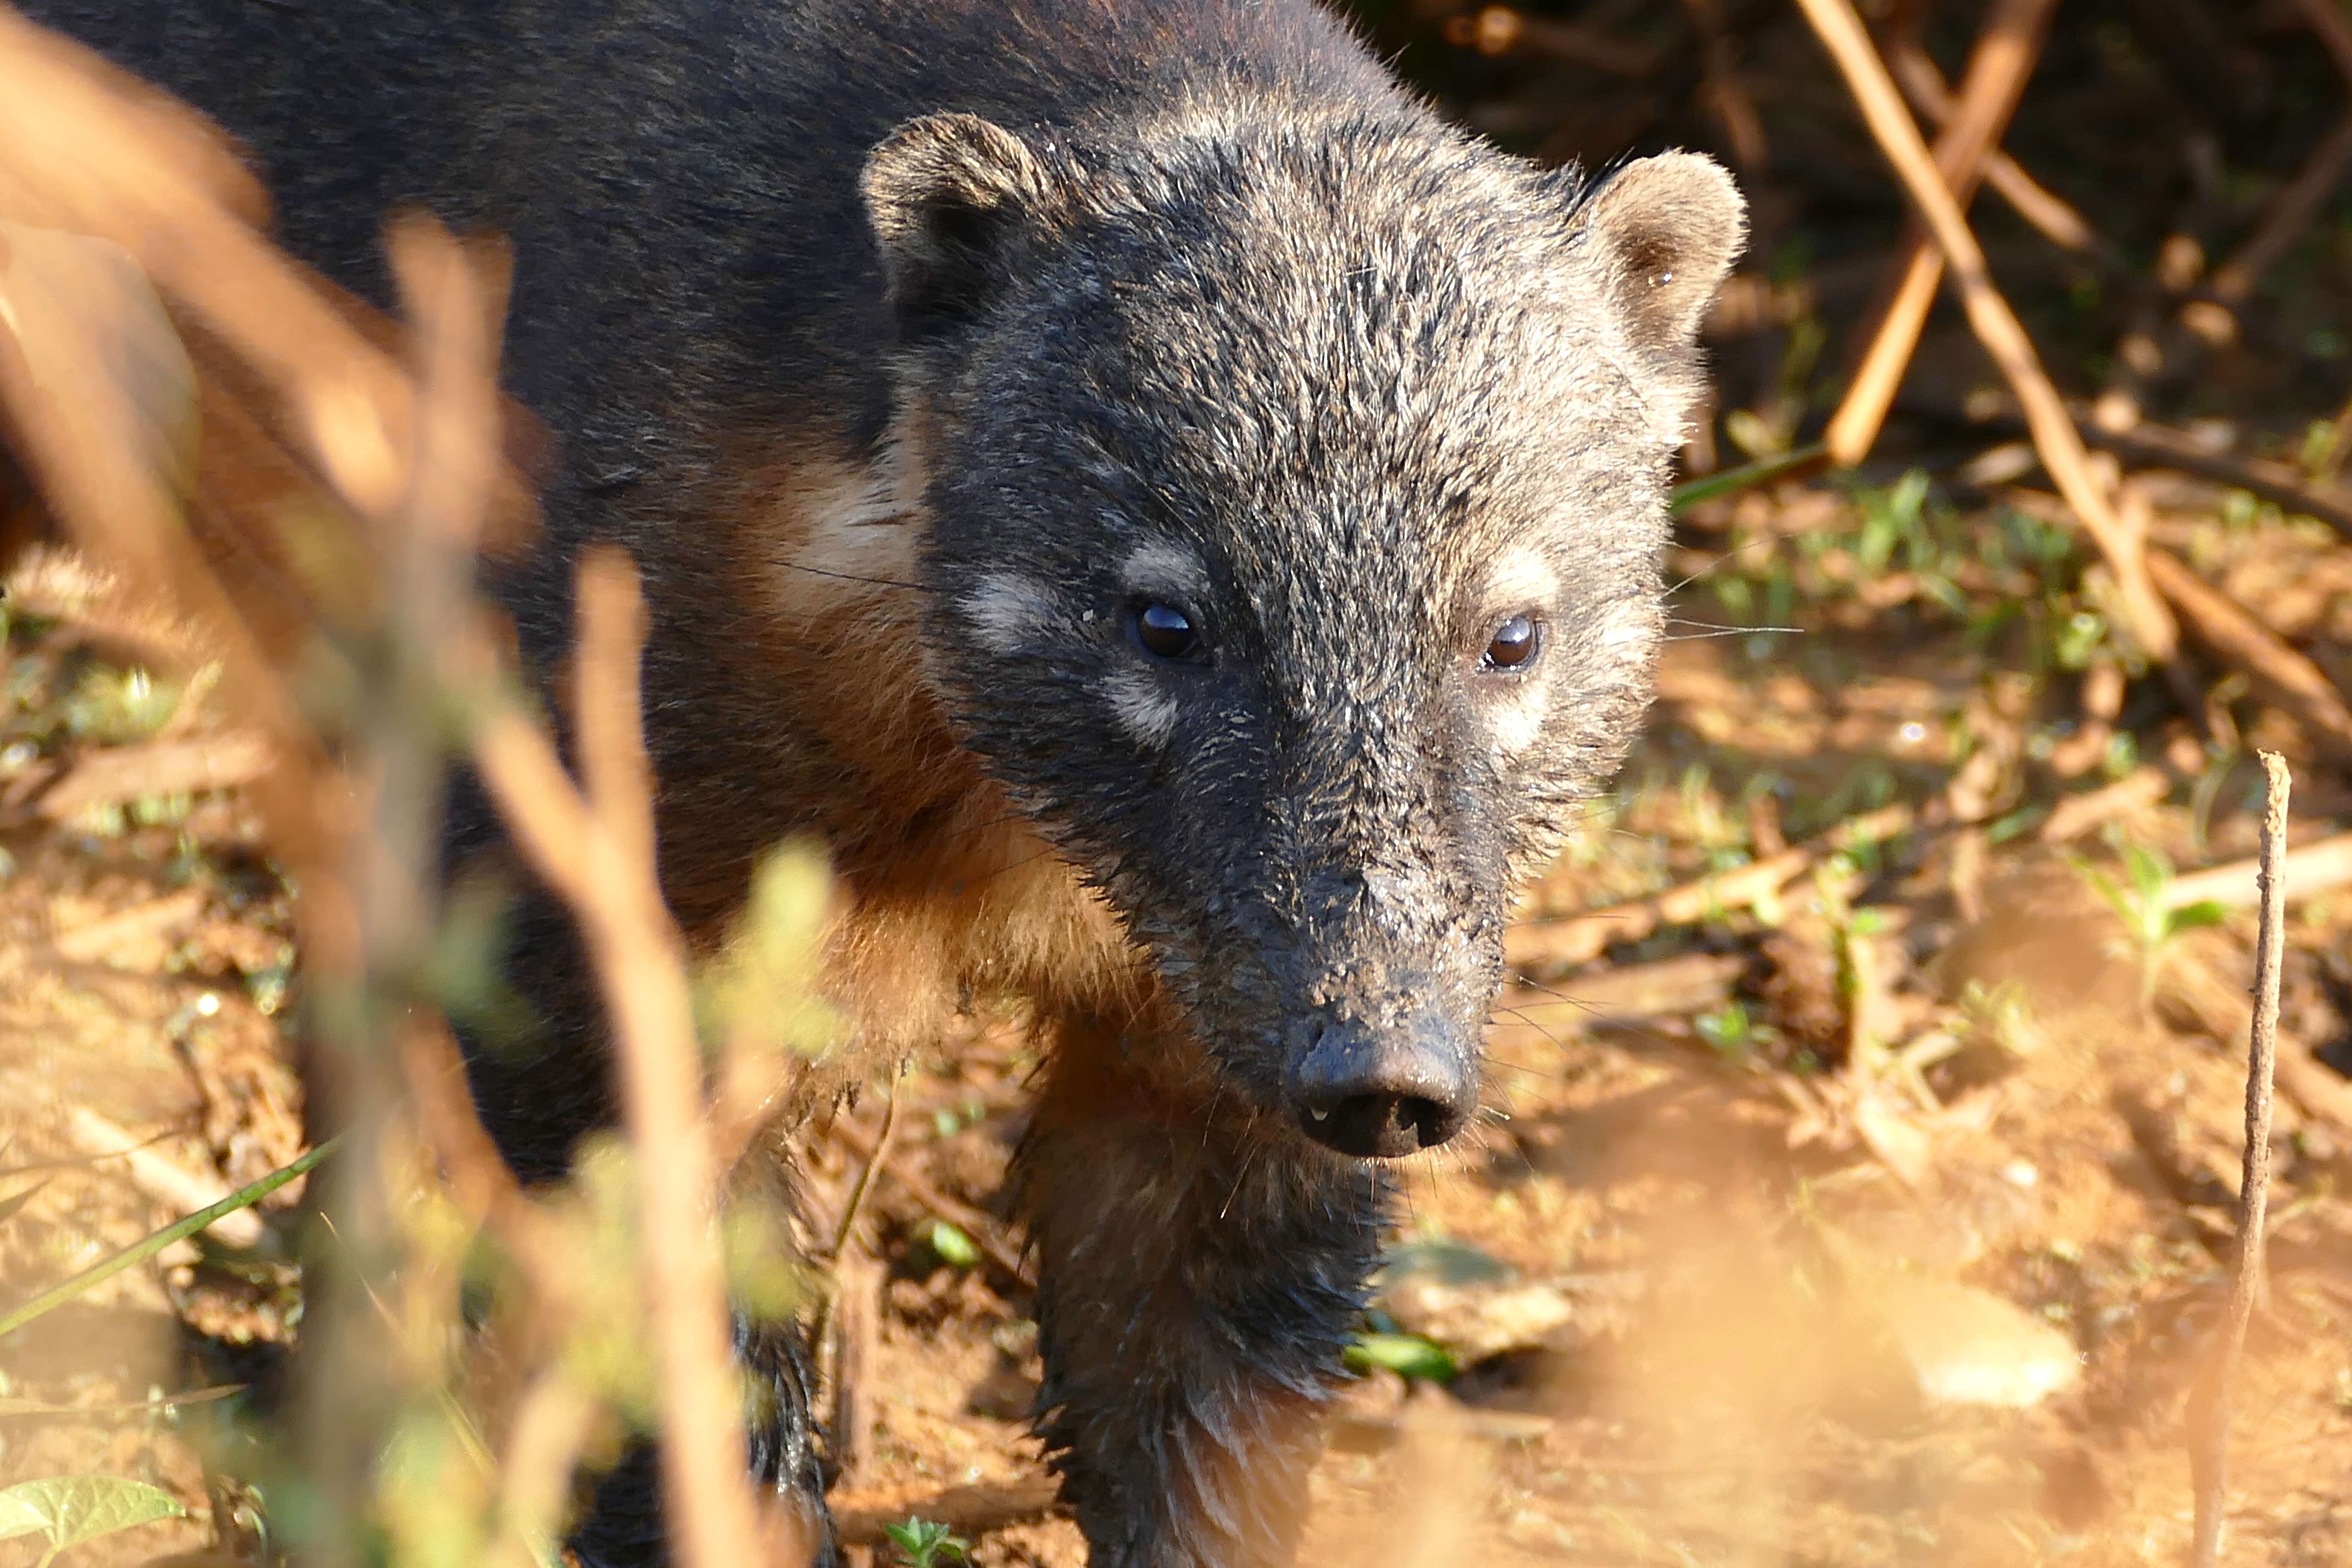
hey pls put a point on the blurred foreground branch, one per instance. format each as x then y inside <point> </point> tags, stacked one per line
<point>132,276</point>
<point>595,846</point>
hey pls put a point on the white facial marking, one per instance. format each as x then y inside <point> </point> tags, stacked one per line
<point>1519,579</point>
<point>1006,609</point>
<point>1623,625</point>
<point>1141,708</point>
<point>1162,568</point>
<point>1516,717</point>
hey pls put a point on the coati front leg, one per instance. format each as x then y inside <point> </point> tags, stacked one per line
<point>1200,1270</point>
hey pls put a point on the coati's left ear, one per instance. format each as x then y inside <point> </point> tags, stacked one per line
<point>1665,230</point>
<point>946,194</point>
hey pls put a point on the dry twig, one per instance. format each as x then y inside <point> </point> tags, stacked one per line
<point>2291,212</point>
<point>2210,1409</point>
<point>162,1177</point>
<point>2005,55</point>
<point>2334,25</point>
<point>2052,214</point>
<point>2079,814</point>
<point>1499,29</point>
<point>859,1517</point>
<point>844,1232</point>
<point>114,775</point>
<point>1994,324</point>
<point>856,1323</point>
<point>1727,95</point>
<point>1551,946</point>
<point>2307,872</point>
<point>981,1228</point>
<point>2155,447</point>
<point>2226,629</point>
<point>2221,625</point>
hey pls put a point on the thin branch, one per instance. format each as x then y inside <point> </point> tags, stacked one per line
<point>2005,55</point>
<point>2052,214</point>
<point>980,1226</point>
<point>2217,621</point>
<point>1995,324</point>
<point>1551,946</point>
<point>2307,873</point>
<point>2289,213</point>
<point>1499,29</point>
<point>857,1193</point>
<point>2334,25</point>
<point>861,1517</point>
<point>2156,446</point>
<point>2209,1410</point>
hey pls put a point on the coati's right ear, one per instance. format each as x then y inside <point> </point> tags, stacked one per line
<point>946,194</point>
<point>1665,230</point>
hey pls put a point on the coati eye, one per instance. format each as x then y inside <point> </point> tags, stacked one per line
<point>1515,645</point>
<point>1163,631</point>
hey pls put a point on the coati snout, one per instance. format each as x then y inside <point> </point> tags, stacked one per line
<point>1380,1093</point>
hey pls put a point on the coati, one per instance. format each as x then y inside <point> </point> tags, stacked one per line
<point>1178,520</point>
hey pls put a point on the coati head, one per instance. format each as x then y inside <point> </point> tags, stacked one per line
<point>1297,488</point>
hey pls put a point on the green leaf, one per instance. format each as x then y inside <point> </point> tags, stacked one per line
<point>2190,917</point>
<point>1730,481</point>
<point>953,1244</point>
<point>1908,495</point>
<point>2150,871</point>
<point>69,1508</point>
<point>2104,886</point>
<point>1727,1031</point>
<point>1407,1355</point>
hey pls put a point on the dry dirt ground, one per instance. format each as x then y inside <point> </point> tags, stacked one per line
<point>1719,1285</point>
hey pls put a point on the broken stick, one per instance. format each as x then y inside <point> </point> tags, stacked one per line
<point>2209,1417</point>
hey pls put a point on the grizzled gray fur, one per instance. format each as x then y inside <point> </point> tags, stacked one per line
<point>1177,519</point>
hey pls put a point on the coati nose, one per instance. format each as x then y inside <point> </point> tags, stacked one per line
<point>1382,1094</point>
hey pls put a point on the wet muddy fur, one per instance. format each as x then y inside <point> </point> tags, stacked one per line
<point>1177,520</point>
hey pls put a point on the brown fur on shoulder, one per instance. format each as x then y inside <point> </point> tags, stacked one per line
<point>949,899</point>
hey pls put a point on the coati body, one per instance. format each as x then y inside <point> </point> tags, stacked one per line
<point>1176,519</point>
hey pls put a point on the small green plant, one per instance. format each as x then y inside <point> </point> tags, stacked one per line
<point>1889,517</point>
<point>1729,1031</point>
<point>1408,1356</point>
<point>2151,918</point>
<point>2077,639</point>
<point>924,1542</point>
<point>2001,1014</point>
<point>69,1510</point>
<point>954,1249</point>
